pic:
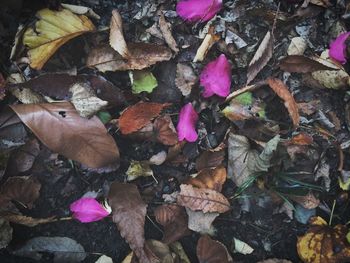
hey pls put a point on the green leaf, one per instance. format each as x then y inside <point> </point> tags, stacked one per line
<point>245,98</point>
<point>142,80</point>
<point>104,116</point>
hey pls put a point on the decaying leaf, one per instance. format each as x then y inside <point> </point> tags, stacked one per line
<point>308,201</point>
<point>62,130</point>
<point>185,78</point>
<point>64,249</point>
<point>142,81</point>
<point>174,220</point>
<point>243,161</point>
<point>5,233</point>
<point>242,247</point>
<point>323,243</point>
<point>261,57</point>
<point>300,139</point>
<point>165,28</point>
<point>137,169</point>
<point>210,178</point>
<point>177,248</point>
<point>297,46</point>
<point>25,220</point>
<point>129,213</point>
<point>85,101</point>
<point>23,189</point>
<point>201,222</point>
<point>139,115</point>
<point>116,37</point>
<point>205,200</point>
<point>275,260</point>
<point>211,251</point>
<point>164,130</point>
<point>211,158</point>
<point>23,158</point>
<point>52,30</point>
<point>141,55</point>
<point>81,10</point>
<point>161,251</point>
<point>282,91</point>
<point>301,64</point>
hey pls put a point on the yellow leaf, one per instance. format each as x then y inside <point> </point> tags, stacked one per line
<point>51,31</point>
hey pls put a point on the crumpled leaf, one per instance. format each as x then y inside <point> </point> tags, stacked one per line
<point>211,251</point>
<point>141,55</point>
<point>142,80</point>
<point>282,91</point>
<point>81,10</point>
<point>52,30</point>
<point>198,10</point>
<point>261,57</point>
<point>201,222</point>
<point>205,200</point>
<point>165,131</point>
<point>244,161</point>
<point>23,189</point>
<point>185,78</point>
<point>209,178</point>
<point>116,37</point>
<point>301,64</point>
<point>137,169</point>
<point>129,213</point>
<point>320,241</point>
<point>139,115</point>
<point>211,158</point>
<point>242,247</point>
<point>297,46</point>
<point>174,220</point>
<point>62,130</point>
<point>64,249</point>
<point>85,101</point>
<point>165,29</point>
<point>5,233</point>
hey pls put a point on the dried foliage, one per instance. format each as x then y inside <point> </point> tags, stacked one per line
<point>211,251</point>
<point>116,37</point>
<point>210,178</point>
<point>301,64</point>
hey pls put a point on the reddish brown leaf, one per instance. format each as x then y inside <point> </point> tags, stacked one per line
<point>210,159</point>
<point>211,251</point>
<point>139,115</point>
<point>129,213</point>
<point>282,91</point>
<point>62,130</point>
<point>205,200</point>
<point>142,55</point>
<point>165,131</point>
<point>300,139</point>
<point>24,189</point>
<point>301,64</point>
<point>210,178</point>
<point>174,220</point>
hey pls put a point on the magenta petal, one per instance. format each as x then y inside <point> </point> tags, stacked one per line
<point>338,48</point>
<point>216,78</point>
<point>198,10</point>
<point>187,121</point>
<point>88,210</point>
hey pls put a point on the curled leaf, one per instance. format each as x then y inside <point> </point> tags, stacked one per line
<point>116,37</point>
<point>185,78</point>
<point>186,126</point>
<point>210,178</point>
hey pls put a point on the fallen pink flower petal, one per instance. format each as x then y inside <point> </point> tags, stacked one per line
<point>216,78</point>
<point>187,121</point>
<point>337,48</point>
<point>88,210</point>
<point>198,10</point>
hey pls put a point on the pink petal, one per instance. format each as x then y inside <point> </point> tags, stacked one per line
<point>88,210</point>
<point>187,122</point>
<point>198,10</point>
<point>338,48</point>
<point>216,78</point>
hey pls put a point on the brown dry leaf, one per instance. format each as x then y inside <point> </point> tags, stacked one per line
<point>323,3</point>
<point>116,37</point>
<point>62,130</point>
<point>23,189</point>
<point>275,260</point>
<point>205,200</point>
<point>210,39</point>
<point>323,243</point>
<point>301,64</point>
<point>52,30</point>
<point>297,46</point>
<point>210,178</point>
<point>164,130</point>
<point>129,213</point>
<point>25,220</point>
<point>201,222</point>
<point>310,107</point>
<point>300,139</point>
<point>139,115</point>
<point>261,57</point>
<point>23,158</point>
<point>211,158</point>
<point>165,28</point>
<point>185,78</point>
<point>308,201</point>
<point>161,251</point>
<point>141,55</point>
<point>212,251</point>
<point>282,91</point>
<point>174,220</point>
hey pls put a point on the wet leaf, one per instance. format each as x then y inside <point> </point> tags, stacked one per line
<point>205,200</point>
<point>282,91</point>
<point>243,161</point>
<point>323,243</point>
<point>52,30</point>
<point>261,57</point>
<point>116,37</point>
<point>142,55</point>
<point>165,29</point>
<point>301,64</point>
<point>185,78</point>
<point>139,115</point>
<point>23,189</point>
<point>129,213</point>
<point>64,249</point>
<point>211,251</point>
<point>142,80</point>
<point>5,233</point>
<point>137,169</point>
<point>62,130</point>
<point>210,178</point>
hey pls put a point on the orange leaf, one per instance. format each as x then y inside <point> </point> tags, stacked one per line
<point>210,178</point>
